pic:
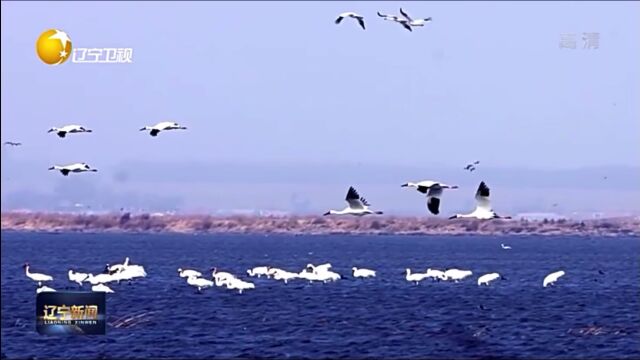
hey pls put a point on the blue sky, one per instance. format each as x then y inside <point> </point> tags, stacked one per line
<point>274,83</point>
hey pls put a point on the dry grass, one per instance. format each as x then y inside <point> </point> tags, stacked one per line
<point>308,224</point>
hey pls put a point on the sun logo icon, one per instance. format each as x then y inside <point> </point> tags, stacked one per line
<point>53,47</point>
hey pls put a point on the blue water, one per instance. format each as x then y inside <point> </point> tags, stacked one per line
<point>383,317</point>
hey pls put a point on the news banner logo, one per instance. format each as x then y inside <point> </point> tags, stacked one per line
<point>80,313</point>
<point>54,47</point>
<point>590,40</point>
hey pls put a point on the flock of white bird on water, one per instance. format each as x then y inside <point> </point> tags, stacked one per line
<point>112,273</point>
<point>311,273</point>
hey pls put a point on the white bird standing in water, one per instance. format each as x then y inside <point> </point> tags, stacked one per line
<point>44,288</point>
<point>316,269</point>
<point>69,129</point>
<point>328,275</point>
<point>279,274</point>
<point>118,267</point>
<point>188,273</point>
<point>237,284</point>
<point>436,274</point>
<point>163,126</point>
<point>259,271</point>
<point>199,283</point>
<point>318,273</point>
<point>352,15</point>
<point>433,190</point>
<point>362,273</point>
<point>483,209</point>
<point>457,274</point>
<point>129,273</point>
<point>220,277</point>
<point>357,205</point>
<point>552,278</point>
<point>99,279</point>
<point>414,277</point>
<point>101,288</point>
<point>487,278</point>
<point>125,271</point>
<point>505,247</point>
<point>310,276</point>
<point>36,276</point>
<point>77,277</point>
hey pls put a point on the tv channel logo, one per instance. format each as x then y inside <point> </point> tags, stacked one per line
<point>71,313</point>
<point>54,47</point>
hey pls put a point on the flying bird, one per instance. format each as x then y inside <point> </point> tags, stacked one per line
<point>414,22</point>
<point>433,190</point>
<point>357,205</point>
<point>163,126</point>
<point>472,166</point>
<point>11,143</point>
<point>483,209</point>
<point>400,20</point>
<point>389,17</point>
<point>69,129</point>
<point>404,24</point>
<point>352,15</point>
<point>76,168</point>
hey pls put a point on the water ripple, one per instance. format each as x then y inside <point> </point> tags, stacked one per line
<point>588,314</point>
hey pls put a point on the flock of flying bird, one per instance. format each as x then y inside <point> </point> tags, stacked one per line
<point>403,19</point>
<point>319,273</point>
<point>433,190</point>
<point>356,204</point>
<point>63,131</point>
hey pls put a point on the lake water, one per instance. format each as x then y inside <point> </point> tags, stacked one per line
<point>381,317</point>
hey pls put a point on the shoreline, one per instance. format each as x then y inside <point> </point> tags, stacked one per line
<point>126,223</point>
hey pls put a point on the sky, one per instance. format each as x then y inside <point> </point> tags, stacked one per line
<point>264,86</point>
